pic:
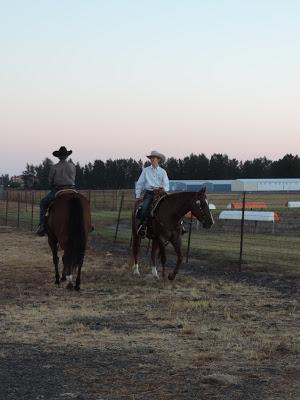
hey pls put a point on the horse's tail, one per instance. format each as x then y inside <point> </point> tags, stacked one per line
<point>76,242</point>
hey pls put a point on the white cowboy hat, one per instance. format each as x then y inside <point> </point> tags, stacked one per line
<point>155,153</point>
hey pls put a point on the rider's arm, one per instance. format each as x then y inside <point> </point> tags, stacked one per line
<point>165,183</point>
<point>140,185</point>
<point>73,172</point>
<point>51,177</point>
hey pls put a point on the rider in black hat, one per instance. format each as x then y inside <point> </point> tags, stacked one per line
<point>61,176</point>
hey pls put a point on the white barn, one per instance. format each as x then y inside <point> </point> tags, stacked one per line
<point>265,185</point>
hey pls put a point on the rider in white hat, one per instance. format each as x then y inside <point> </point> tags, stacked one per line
<point>152,178</point>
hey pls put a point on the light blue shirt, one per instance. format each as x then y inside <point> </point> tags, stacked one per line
<point>152,178</point>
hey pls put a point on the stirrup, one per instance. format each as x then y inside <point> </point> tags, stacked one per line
<point>141,231</point>
<point>41,231</point>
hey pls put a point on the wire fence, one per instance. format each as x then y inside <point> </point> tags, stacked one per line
<point>242,243</point>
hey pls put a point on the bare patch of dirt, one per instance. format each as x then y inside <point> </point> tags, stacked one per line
<point>208,335</point>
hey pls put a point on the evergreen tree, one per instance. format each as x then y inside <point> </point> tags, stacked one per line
<point>286,167</point>
<point>257,168</point>
<point>42,173</point>
<point>218,166</point>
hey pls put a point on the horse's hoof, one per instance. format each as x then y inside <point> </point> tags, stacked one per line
<point>171,276</point>
<point>77,288</point>
<point>57,283</point>
<point>70,286</point>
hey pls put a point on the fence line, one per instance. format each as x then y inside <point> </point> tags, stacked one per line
<point>248,244</point>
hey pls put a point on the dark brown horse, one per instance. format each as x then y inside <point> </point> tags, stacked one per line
<point>67,227</point>
<point>166,226</point>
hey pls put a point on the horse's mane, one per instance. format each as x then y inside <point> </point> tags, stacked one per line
<point>179,195</point>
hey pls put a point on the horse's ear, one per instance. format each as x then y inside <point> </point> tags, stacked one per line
<point>202,190</point>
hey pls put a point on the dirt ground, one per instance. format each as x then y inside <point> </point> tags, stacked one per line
<point>212,334</point>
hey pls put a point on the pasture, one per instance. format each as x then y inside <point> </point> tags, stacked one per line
<point>265,248</point>
<point>211,334</point>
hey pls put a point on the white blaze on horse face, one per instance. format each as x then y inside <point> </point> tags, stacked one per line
<point>135,270</point>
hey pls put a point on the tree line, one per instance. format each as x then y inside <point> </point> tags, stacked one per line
<point>123,173</point>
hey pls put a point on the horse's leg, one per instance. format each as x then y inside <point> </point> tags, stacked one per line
<point>67,274</point>
<point>162,250</point>
<point>177,247</point>
<point>63,275</point>
<point>70,281</point>
<point>77,284</point>
<point>54,248</point>
<point>136,244</point>
<point>155,245</point>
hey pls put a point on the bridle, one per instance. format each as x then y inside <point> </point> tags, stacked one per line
<point>203,214</point>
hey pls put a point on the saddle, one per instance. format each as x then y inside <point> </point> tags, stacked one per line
<point>158,197</point>
<point>65,191</point>
<point>60,193</point>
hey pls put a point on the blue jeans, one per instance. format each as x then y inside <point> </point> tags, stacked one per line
<point>44,204</point>
<point>146,206</point>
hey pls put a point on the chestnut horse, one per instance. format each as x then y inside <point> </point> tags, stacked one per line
<point>166,226</point>
<point>67,227</point>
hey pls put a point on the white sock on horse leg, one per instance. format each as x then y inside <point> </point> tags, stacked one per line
<point>69,278</point>
<point>154,272</point>
<point>135,269</point>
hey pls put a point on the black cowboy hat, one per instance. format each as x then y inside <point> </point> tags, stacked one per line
<point>62,152</point>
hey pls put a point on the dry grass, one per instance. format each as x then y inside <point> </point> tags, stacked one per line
<point>134,338</point>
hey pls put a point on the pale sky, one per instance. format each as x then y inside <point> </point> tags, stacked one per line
<point>117,79</point>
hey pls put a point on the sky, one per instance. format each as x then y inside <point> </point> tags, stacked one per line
<point>120,78</point>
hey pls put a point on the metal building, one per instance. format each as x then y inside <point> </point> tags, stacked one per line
<point>265,185</point>
<point>194,185</point>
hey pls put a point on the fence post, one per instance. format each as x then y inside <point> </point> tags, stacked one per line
<point>32,207</point>
<point>18,217</point>
<point>189,239</point>
<point>242,232</point>
<point>6,209</point>
<point>119,215</point>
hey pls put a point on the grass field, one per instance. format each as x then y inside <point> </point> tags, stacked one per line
<point>212,334</point>
<point>262,250</point>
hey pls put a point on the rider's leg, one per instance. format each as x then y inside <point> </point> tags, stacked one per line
<point>44,204</point>
<point>147,201</point>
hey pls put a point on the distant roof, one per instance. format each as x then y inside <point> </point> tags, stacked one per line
<point>196,182</point>
<point>270,180</point>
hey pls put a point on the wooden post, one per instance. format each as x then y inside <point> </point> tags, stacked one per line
<point>6,209</point>
<point>130,242</point>
<point>242,232</point>
<point>18,215</point>
<point>189,239</point>
<point>119,216</point>
<point>32,207</point>
<point>113,201</point>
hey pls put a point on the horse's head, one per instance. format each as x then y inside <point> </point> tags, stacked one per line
<point>200,209</point>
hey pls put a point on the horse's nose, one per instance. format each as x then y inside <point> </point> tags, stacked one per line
<point>208,224</point>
